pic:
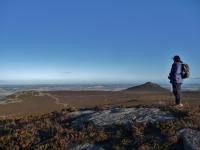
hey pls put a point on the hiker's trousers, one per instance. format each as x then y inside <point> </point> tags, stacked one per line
<point>177,92</point>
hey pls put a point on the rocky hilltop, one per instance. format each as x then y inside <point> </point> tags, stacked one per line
<point>141,127</point>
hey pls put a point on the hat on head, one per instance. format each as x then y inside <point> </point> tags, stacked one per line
<point>177,59</point>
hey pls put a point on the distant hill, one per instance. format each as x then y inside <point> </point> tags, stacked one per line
<point>147,87</point>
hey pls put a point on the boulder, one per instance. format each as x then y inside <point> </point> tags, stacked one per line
<point>123,116</point>
<point>191,139</point>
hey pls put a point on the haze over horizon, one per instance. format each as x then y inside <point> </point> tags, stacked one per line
<point>97,41</point>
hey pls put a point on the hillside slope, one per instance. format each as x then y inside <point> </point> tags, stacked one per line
<point>152,127</point>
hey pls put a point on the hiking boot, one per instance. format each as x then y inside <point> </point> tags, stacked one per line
<point>179,105</point>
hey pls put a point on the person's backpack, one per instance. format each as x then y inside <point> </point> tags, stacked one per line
<point>185,71</point>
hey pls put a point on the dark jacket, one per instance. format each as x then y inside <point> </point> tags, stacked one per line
<point>175,74</point>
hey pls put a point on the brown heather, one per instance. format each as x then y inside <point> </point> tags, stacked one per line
<point>54,131</point>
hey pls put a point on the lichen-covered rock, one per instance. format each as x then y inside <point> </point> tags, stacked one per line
<point>86,146</point>
<point>191,139</point>
<point>123,116</point>
<point>79,113</point>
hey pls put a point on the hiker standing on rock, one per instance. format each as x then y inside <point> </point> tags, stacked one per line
<point>179,71</point>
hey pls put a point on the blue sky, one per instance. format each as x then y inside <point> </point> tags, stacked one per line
<point>95,41</point>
